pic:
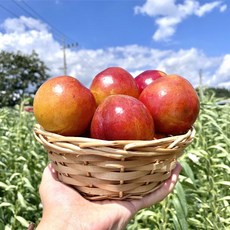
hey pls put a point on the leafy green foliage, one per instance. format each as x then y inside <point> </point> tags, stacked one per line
<point>21,165</point>
<point>20,76</point>
<point>200,200</point>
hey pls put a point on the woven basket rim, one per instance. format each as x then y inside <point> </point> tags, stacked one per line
<point>71,144</point>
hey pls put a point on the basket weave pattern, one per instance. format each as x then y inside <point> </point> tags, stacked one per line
<point>101,169</point>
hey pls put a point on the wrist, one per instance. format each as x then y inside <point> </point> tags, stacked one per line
<point>56,222</point>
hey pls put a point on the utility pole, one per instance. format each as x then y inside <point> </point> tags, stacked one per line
<point>64,57</point>
<point>64,46</point>
<point>200,78</point>
<point>201,85</point>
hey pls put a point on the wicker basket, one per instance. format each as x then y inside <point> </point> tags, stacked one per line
<point>101,169</point>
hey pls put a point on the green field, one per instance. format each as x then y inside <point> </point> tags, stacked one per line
<point>200,201</point>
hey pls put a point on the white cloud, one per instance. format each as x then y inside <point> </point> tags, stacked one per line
<point>167,27</point>
<point>224,68</point>
<point>223,8</point>
<point>168,14</point>
<point>157,8</point>
<point>15,25</point>
<point>26,34</point>
<point>222,74</point>
<point>208,7</point>
<point>86,63</point>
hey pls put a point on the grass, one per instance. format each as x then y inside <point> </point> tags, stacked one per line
<point>22,162</point>
<point>200,200</point>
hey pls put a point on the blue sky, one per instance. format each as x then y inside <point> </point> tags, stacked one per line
<point>176,36</point>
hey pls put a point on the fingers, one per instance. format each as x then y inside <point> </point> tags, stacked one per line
<point>161,193</point>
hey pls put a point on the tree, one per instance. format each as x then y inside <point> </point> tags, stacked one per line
<point>219,92</point>
<point>20,76</point>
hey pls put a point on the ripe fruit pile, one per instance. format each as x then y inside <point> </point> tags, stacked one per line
<point>117,106</point>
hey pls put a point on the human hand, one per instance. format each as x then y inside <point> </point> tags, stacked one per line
<point>65,208</point>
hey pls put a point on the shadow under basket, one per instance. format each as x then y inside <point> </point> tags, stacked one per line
<point>119,170</point>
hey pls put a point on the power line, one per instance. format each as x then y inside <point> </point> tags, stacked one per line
<point>31,12</point>
<point>43,19</point>
<point>37,17</point>
<point>18,5</point>
<point>9,11</point>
